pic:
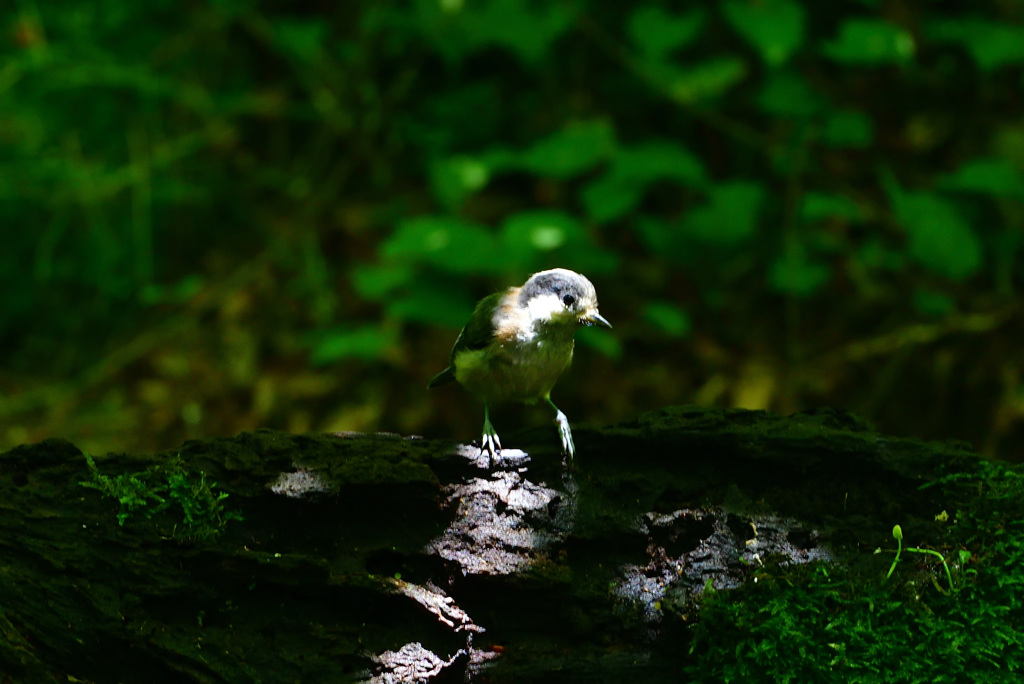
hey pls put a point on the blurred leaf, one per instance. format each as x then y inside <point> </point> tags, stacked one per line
<point>621,188</point>
<point>517,25</point>
<point>449,243</point>
<point>1008,138</point>
<point>465,117</point>
<point>660,159</point>
<point>301,38</point>
<point>604,341</point>
<point>870,42</point>
<point>730,215</point>
<point>454,178</point>
<point>498,159</point>
<point>848,128</point>
<point>668,318</point>
<point>876,255</point>
<point>592,260</point>
<point>656,234</point>
<point>656,33</point>
<point>794,273</point>
<point>932,303</point>
<point>526,236</point>
<point>824,241</point>
<point>987,176</point>
<point>610,197</point>
<point>543,239</point>
<point>818,205</point>
<point>523,28</point>
<point>788,95</point>
<point>571,151</point>
<point>775,28</point>
<point>184,290</point>
<point>991,44</point>
<point>367,343</point>
<point>233,7</point>
<point>937,236</point>
<point>432,303</point>
<point>706,79</point>
<point>541,230</point>
<point>373,282</point>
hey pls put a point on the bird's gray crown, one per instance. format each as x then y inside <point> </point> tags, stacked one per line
<point>560,282</point>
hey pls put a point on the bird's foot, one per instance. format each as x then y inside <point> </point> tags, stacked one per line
<point>489,441</point>
<point>566,434</point>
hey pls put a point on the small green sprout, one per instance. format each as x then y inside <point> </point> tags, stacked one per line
<point>897,534</point>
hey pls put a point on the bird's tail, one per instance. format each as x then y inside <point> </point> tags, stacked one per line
<point>443,378</point>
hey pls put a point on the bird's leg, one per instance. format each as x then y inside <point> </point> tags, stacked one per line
<point>563,429</point>
<point>489,442</point>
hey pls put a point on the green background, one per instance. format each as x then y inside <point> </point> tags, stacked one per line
<point>228,214</point>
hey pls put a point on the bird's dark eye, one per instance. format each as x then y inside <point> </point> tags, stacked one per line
<point>568,300</point>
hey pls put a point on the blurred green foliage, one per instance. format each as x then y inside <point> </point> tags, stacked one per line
<point>397,159</point>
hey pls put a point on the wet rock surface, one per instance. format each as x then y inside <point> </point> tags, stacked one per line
<point>389,559</point>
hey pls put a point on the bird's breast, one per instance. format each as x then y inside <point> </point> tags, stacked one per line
<point>519,369</point>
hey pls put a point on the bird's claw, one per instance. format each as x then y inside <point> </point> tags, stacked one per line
<point>489,441</point>
<point>566,434</point>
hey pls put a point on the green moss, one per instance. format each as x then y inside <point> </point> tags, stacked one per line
<point>854,623</point>
<point>133,491</point>
<point>204,515</point>
<point>550,571</point>
<point>826,620</point>
<point>168,486</point>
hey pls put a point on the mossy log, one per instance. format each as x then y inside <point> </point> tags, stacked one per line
<point>392,559</point>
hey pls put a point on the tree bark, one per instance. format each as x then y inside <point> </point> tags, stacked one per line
<point>399,559</point>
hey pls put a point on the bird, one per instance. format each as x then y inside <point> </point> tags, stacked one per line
<point>518,342</point>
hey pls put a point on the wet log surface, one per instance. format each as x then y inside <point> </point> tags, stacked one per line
<point>390,559</point>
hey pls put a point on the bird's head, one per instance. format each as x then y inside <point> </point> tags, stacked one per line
<point>561,297</point>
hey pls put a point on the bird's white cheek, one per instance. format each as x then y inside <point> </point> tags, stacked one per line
<point>545,307</point>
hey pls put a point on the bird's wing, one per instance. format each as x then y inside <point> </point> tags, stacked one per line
<point>479,332</point>
<point>476,334</point>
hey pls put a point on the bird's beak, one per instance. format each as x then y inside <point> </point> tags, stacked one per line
<point>594,318</point>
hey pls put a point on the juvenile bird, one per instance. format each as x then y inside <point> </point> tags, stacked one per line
<point>518,342</point>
